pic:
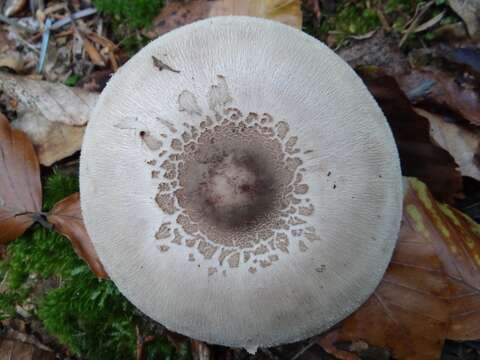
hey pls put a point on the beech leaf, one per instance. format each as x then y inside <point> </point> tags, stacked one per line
<point>440,90</point>
<point>419,157</point>
<point>54,116</point>
<point>463,144</point>
<point>20,187</point>
<point>175,14</point>
<point>431,290</point>
<point>66,218</point>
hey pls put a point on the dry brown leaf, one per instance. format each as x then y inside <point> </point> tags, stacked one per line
<point>13,7</point>
<point>431,290</point>
<point>419,157</point>
<point>176,14</point>
<point>93,53</point>
<point>469,11</point>
<point>440,90</point>
<point>20,187</point>
<point>21,198</point>
<point>54,116</point>
<point>461,143</point>
<point>11,349</point>
<point>200,350</point>
<point>12,60</point>
<point>66,218</point>
<point>285,11</point>
<point>17,343</point>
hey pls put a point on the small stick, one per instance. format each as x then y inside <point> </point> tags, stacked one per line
<point>16,24</point>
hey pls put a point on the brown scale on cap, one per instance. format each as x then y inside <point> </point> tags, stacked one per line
<point>235,184</point>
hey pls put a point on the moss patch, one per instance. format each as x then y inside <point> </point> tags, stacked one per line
<point>87,314</point>
<point>135,13</point>
<point>355,18</point>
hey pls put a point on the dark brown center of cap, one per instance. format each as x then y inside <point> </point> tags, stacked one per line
<point>237,189</point>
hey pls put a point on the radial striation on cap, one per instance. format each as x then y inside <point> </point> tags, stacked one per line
<point>240,184</point>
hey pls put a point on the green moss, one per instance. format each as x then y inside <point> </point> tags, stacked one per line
<point>40,252</point>
<point>90,316</point>
<point>87,314</point>
<point>356,20</point>
<point>72,80</point>
<point>135,13</point>
<point>56,187</point>
<point>350,19</point>
<point>397,6</point>
<point>361,17</point>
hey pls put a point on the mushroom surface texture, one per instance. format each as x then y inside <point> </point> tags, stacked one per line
<point>240,184</point>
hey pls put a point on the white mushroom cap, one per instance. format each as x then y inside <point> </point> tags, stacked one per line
<point>240,184</point>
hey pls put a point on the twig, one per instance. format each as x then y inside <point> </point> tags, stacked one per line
<point>26,43</point>
<point>16,24</point>
<point>12,334</point>
<point>421,90</point>
<point>304,349</point>
<point>78,15</point>
<point>415,22</point>
<point>44,48</point>
<point>383,20</point>
<point>141,341</point>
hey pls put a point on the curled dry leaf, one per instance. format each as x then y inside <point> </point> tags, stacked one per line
<point>419,157</point>
<point>66,218</point>
<point>461,143</point>
<point>431,290</point>
<point>20,187</point>
<point>54,116</point>
<point>176,14</point>
<point>439,90</point>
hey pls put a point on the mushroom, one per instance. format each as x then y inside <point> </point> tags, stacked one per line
<point>240,184</point>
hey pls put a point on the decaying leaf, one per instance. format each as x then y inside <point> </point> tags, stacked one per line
<point>469,11</point>
<point>66,218</point>
<point>54,116</point>
<point>419,157</point>
<point>461,143</point>
<point>176,14</point>
<point>20,187</point>
<point>431,290</point>
<point>439,90</point>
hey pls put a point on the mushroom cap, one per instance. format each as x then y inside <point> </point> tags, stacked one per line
<point>240,184</point>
